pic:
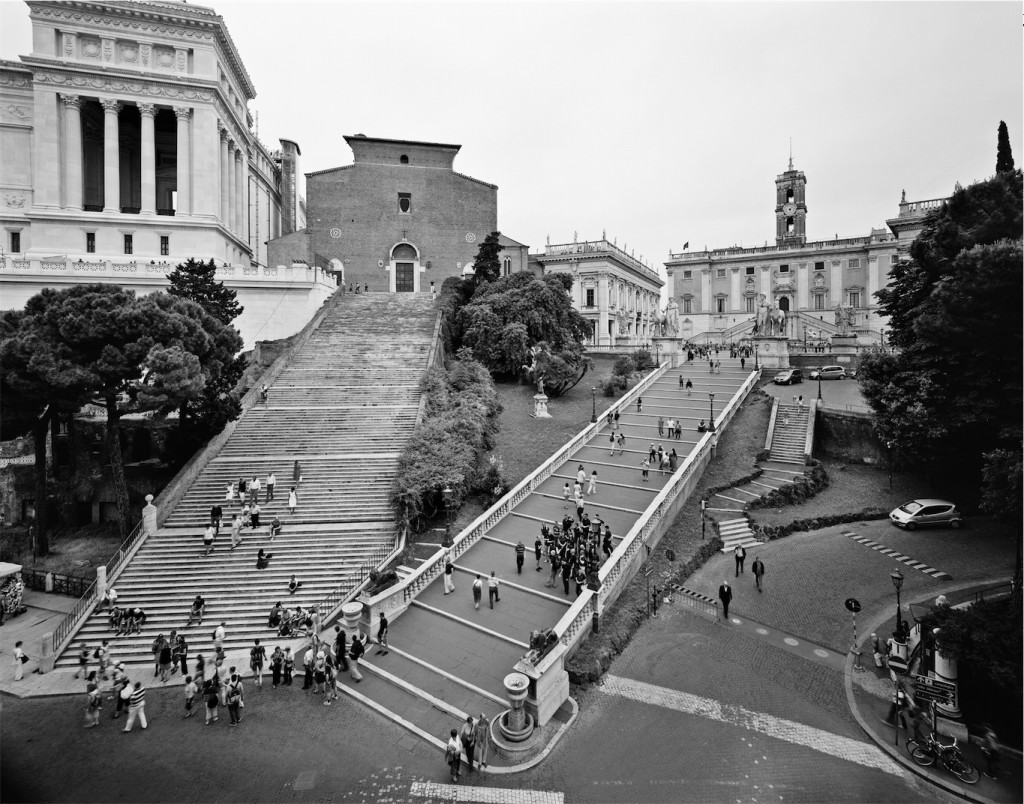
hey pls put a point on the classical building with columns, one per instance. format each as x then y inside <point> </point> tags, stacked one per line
<point>128,147</point>
<point>719,291</point>
<point>611,288</point>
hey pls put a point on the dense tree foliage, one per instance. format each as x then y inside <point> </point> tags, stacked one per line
<point>205,415</point>
<point>487,265</point>
<point>446,448</point>
<point>1004,156</point>
<point>952,392</point>
<point>125,353</point>
<point>507,317</point>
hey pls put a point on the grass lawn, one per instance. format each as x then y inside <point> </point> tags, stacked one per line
<point>75,551</point>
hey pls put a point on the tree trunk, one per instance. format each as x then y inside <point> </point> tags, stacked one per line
<point>117,464</point>
<point>41,543</point>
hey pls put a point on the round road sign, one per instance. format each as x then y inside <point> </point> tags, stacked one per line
<point>852,604</point>
<point>898,665</point>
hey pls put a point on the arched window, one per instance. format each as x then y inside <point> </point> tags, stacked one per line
<point>506,266</point>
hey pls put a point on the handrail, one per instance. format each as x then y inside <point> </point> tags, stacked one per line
<point>435,342</point>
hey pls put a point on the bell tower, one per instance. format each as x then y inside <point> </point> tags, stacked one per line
<point>790,206</point>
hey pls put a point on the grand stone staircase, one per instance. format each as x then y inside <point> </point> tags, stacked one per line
<point>343,408</point>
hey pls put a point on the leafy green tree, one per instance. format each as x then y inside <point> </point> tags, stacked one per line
<point>952,392</point>
<point>487,265</point>
<point>1004,156</point>
<point>197,280</point>
<point>202,417</point>
<point>509,316</point>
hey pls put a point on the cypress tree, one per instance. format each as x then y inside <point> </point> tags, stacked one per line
<point>1004,156</point>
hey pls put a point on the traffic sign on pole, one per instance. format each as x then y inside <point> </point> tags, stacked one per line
<point>898,665</point>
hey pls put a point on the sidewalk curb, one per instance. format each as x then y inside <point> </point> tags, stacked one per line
<point>502,771</point>
<point>939,781</point>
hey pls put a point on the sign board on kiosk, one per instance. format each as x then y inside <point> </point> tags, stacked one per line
<point>927,688</point>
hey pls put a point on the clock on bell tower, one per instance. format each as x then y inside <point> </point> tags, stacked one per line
<point>790,207</point>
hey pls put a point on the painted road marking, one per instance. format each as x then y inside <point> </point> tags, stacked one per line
<point>939,575</point>
<point>797,733</point>
<point>485,795</point>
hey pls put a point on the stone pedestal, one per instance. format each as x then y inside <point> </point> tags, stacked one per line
<point>350,614</point>
<point>844,345</point>
<point>670,349</point>
<point>540,407</point>
<point>516,724</point>
<point>548,684</point>
<point>47,658</point>
<point>772,351</point>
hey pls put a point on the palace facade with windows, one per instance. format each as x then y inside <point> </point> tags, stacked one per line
<point>400,218</point>
<point>718,291</point>
<point>128,147</point>
<point>618,293</point>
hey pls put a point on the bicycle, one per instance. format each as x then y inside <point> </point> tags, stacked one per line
<point>949,756</point>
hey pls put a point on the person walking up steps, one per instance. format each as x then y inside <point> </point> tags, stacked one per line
<point>478,589</point>
<point>644,467</point>
<point>592,488</point>
<point>293,500</point>
<point>382,635</point>
<point>492,590</point>
<point>520,550</point>
<point>689,387</point>
<point>449,578</point>
<point>567,492</point>
<point>621,444</point>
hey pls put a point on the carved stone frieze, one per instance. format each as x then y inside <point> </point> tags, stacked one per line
<point>108,49</point>
<point>69,45</point>
<point>145,54</point>
<point>20,114</point>
<point>14,200</point>
<point>89,48</point>
<point>115,86</point>
<point>129,53</point>
<point>14,80</point>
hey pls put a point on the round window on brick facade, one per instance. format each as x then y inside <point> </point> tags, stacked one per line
<point>403,159</point>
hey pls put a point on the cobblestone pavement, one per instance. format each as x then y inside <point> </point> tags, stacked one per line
<point>808,576</point>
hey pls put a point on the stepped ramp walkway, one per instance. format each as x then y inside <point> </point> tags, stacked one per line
<point>447,659</point>
<point>343,408</point>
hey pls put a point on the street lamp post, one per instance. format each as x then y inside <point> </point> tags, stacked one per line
<point>593,414</point>
<point>819,383</point>
<point>711,424</point>
<point>888,445</point>
<point>757,348</point>
<point>897,581</point>
<point>447,494</point>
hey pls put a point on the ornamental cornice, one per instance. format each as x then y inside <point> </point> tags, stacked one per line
<point>9,78</point>
<point>114,86</point>
<point>63,12</point>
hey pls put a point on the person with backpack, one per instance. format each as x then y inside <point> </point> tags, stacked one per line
<point>234,698</point>
<point>257,654</point>
<point>210,693</point>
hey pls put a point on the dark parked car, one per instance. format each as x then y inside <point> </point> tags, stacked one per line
<point>789,377</point>
<point>926,513</point>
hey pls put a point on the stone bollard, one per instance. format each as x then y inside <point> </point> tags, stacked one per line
<point>48,582</point>
<point>516,724</point>
<point>350,615</point>
<point>101,585</point>
<point>46,655</point>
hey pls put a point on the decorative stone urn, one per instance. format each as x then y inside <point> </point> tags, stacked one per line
<point>516,724</point>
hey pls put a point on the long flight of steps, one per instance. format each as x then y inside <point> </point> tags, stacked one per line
<point>448,659</point>
<point>789,436</point>
<point>338,416</point>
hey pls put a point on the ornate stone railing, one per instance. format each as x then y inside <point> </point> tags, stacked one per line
<point>396,599</point>
<point>600,247</point>
<point>573,627</point>
<point>723,253</point>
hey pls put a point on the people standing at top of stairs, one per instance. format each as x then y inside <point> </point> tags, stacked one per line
<point>293,500</point>
<point>652,454</point>
<point>271,482</point>
<point>577,493</point>
<point>538,547</point>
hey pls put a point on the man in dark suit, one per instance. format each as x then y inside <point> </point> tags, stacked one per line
<point>725,595</point>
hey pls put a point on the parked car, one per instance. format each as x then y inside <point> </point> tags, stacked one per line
<point>829,373</point>
<point>789,377</point>
<point>926,513</point>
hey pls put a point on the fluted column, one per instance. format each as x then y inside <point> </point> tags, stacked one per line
<point>237,219</point>
<point>148,147</point>
<point>230,181</point>
<point>184,178</point>
<point>72,151</point>
<point>225,182</point>
<point>111,156</point>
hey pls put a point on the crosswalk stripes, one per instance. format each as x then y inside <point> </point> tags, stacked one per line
<point>938,574</point>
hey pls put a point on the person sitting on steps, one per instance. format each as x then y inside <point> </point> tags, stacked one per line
<point>701,427</point>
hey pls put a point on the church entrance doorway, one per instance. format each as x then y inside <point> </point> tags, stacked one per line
<point>404,279</point>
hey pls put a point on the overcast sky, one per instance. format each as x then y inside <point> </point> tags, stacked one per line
<point>661,122</point>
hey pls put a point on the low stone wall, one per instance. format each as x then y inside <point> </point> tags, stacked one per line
<point>848,436</point>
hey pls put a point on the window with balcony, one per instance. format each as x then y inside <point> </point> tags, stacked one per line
<point>749,304</point>
<point>719,305</point>
<point>854,298</point>
<point>819,301</point>
<point>129,244</point>
<point>590,297</point>
<point>165,245</point>
<point>687,306</point>
<point>90,242</point>
<point>15,242</point>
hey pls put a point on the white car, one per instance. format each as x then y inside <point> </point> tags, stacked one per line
<point>829,373</point>
<point>926,513</point>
